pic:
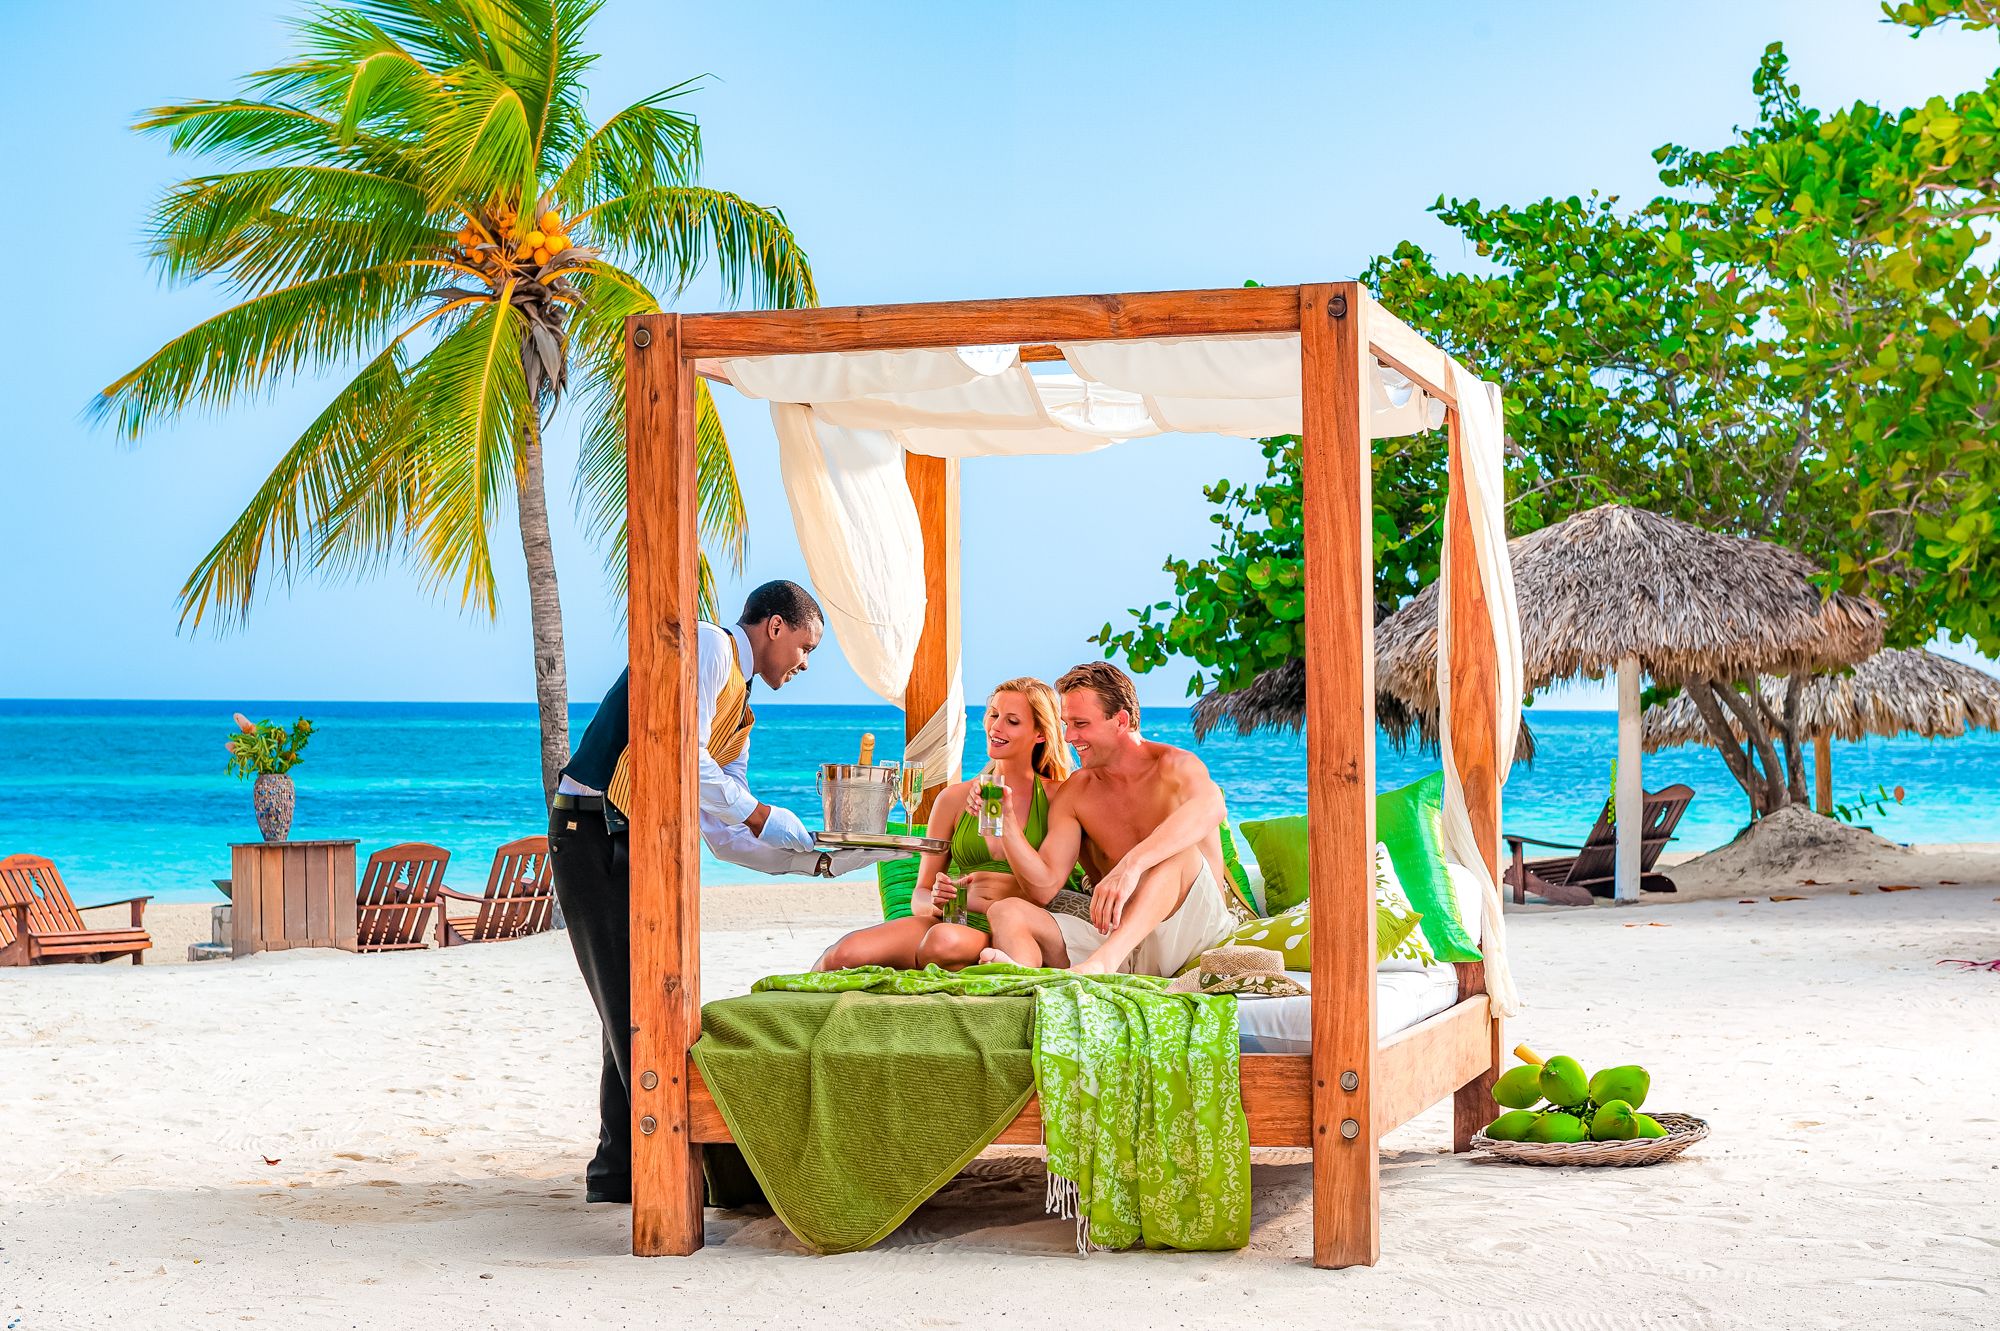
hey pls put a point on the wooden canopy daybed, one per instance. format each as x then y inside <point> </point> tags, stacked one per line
<point>1338,1100</point>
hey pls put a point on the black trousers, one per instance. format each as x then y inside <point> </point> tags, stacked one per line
<point>593,877</point>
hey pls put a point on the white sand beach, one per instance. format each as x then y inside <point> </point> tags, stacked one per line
<point>316,1139</point>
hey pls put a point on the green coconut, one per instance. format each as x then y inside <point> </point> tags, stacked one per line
<point>1511,1126</point>
<point>1613,1122</point>
<point>1645,1125</point>
<point>1519,1088</point>
<point>1629,1083</point>
<point>1563,1081</point>
<point>1555,1126</point>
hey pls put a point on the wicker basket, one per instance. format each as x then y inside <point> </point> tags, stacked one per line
<point>1683,1131</point>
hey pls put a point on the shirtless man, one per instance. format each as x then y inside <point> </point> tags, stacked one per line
<point>1143,817</point>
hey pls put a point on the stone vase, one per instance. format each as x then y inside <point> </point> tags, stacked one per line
<point>272,797</point>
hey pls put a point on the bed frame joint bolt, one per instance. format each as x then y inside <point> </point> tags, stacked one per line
<point>1349,1129</point>
<point>642,336</point>
<point>648,1080</point>
<point>1349,1080</point>
<point>1338,307</point>
<point>648,1124</point>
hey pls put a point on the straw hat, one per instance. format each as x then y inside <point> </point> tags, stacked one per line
<point>1239,970</point>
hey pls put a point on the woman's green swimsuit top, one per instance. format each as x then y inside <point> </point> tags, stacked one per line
<point>971,854</point>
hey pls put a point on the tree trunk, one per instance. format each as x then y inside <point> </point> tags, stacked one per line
<point>544,607</point>
<point>1795,754</point>
<point>1703,695</point>
<point>1775,796</point>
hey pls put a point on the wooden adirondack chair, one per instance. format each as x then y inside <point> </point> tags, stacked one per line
<point>40,923</point>
<point>398,892</point>
<point>1572,880</point>
<point>520,897</point>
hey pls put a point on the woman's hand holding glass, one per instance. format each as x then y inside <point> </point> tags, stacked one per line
<point>944,899</point>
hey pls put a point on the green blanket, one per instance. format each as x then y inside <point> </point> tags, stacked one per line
<point>871,1087</point>
<point>851,1109</point>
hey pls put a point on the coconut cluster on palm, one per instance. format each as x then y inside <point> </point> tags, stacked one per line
<point>419,202</point>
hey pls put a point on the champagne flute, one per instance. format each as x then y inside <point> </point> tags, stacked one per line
<point>910,788</point>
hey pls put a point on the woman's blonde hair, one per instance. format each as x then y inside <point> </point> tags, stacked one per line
<point>1051,756</point>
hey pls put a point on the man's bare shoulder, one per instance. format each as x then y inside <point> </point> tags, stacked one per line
<point>1172,761</point>
<point>1076,786</point>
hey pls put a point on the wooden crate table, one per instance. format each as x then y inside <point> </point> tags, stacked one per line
<point>286,894</point>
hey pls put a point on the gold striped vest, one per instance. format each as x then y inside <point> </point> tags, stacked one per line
<point>728,734</point>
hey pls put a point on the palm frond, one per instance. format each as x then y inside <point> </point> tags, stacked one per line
<point>724,522</point>
<point>283,518</point>
<point>443,34</point>
<point>269,227</point>
<point>540,46</point>
<point>600,487</point>
<point>676,229</point>
<point>353,72</point>
<point>245,129</point>
<point>649,144</point>
<point>248,347</point>
<point>465,400</point>
<point>477,141</point>
<point>611,296</point>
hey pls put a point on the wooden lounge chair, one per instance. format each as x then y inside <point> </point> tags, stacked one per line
<point>40,923</point>
<point>398,892</point>
<point>1572,880</point>
<point>520,898</point>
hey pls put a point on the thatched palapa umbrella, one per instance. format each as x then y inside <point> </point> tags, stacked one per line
<point>1618,589</point>
<point>1902,691</point>
<point>1276,700</point>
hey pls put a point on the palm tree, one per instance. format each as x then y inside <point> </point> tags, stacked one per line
<point>419,197</point>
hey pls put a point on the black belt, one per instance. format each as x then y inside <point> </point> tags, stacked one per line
<point>588,803</point>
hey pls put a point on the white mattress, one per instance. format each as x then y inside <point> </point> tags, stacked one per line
<point>1402,999</point>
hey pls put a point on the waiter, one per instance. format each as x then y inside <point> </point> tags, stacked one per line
<point>774,640</point>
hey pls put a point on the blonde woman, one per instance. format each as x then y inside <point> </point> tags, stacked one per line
<point>1024,743</point>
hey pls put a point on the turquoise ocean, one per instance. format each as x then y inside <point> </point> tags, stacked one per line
<point>131,797</point>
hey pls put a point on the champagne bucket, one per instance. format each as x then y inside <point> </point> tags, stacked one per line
<point>855,798</point>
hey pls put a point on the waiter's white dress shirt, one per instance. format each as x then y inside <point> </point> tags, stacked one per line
<point>786,846</point>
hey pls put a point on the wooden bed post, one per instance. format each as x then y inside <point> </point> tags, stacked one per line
<point>665,847</point>
<point>934,488</point>
<point>1335,485</point>
<point>1475,752</point>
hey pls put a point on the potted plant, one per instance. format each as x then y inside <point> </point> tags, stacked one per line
<point>269,752</point>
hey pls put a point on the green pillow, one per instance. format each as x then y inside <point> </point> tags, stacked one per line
<point>895,880</point>
<point>1290,931</point>
<point>1398,937</point>
<point>1280,847</point>
<point>1232,864</point>
<point>1407,821</point>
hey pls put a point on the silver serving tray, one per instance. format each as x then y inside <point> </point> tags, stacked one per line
<point>880,841</point>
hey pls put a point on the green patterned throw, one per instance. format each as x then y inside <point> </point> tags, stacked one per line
<point>1141,1105</point>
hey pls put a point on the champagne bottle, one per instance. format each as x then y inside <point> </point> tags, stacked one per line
<point>868,748</point>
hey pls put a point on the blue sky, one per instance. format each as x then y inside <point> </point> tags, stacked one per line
<point>921,151</point>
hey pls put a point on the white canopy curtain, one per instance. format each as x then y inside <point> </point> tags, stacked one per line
<point>844,420</point>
